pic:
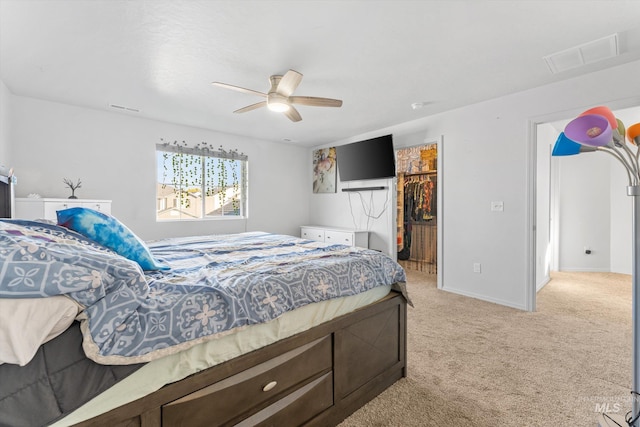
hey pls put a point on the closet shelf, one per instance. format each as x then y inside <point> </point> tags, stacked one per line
<point>432,172</point>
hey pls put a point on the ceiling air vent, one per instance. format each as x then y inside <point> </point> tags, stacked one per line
<point>588,53</point>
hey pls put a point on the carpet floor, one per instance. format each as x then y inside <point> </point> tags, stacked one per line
<point>474,363</point>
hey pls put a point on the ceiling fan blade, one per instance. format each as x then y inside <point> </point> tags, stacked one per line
<point>289,82</point>
<point>239,89</point>
<point>293,114</point>
<point>315,101</point>
<point>252,107</point>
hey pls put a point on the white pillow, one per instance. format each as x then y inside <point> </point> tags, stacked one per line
<point>27,323</point>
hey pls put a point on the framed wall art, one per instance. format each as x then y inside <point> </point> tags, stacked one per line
<point>324,170</point>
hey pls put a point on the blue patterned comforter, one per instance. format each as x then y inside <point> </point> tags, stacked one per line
<point>216,284</point>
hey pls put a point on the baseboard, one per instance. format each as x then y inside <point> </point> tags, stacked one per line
<point>543,284</point>
<point>586,270</point>
<point>484,298</point>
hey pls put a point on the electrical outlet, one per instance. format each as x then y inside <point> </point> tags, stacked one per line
<point>477,267</point>
<point>587,250</point>
<point>497,206</point>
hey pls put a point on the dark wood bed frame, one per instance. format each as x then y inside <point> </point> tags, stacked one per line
<point>316,378</point>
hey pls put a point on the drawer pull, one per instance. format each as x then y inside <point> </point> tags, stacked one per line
<point>270,386</point>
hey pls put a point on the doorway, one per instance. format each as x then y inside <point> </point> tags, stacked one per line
<point>575,229</point>
<point>417,207</point>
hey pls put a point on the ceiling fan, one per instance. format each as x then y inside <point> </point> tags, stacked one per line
<point>279,96</point>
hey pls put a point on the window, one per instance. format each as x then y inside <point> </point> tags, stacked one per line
<point>194,183</point>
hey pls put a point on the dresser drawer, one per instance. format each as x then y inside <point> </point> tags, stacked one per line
<point>313,234</point>
<point>50,208</point>
<point>339,237</point>
<point>104,207</point>
<point>333,235</point>
<point>242,395</point>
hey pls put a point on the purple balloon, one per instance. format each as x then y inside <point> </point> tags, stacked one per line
<point>590,129</point>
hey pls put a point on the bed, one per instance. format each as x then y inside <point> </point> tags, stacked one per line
<point>245,329</point>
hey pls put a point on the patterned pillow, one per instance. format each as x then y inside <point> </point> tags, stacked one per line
<point>109,232</point>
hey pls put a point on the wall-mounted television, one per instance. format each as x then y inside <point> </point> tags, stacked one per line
<point>369,159</point>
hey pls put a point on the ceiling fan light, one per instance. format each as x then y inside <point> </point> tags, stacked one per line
<point>278,107</point>
<point>277,102</point>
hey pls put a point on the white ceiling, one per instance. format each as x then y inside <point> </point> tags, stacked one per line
<point>377,56</point>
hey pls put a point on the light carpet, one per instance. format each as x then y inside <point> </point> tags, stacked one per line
<point>474,363</point>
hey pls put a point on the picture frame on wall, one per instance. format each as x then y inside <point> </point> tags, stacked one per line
<point>324,170</point>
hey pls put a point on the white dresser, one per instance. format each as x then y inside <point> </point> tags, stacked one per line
<point>28,208</point>
<point>343,236</point>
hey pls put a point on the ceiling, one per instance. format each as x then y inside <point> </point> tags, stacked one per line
<point>379,57</point>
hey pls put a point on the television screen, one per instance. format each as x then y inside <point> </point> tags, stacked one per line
<point>370,159</point>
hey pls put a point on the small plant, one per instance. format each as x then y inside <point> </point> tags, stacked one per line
<point>73,186</point>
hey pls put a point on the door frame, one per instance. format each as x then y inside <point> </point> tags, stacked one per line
<point>439,142</point>
<point>531,188</point>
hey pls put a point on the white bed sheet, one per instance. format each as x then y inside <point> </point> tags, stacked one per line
<point>175,367</point>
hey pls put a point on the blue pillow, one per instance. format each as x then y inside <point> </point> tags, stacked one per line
<point>109,232</point>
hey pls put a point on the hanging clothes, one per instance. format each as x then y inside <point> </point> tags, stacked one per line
<point>421,196</point>
<point>419,207</point>
<point>408,202</point>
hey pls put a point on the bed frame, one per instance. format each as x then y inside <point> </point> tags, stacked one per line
<point>316,378</point>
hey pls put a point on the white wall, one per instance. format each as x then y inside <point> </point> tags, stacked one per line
<point>585,212</point>
<point>5,124</point>
<point>621,225</point>
<point>486,158</point>
<point>114,155</point>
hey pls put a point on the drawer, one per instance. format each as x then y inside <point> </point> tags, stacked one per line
<point>313,234</point>
<point>244,394</point>
<point>296,408</point>
<point>50,208</point>
<point>341,237</point>
<point>98,206</point>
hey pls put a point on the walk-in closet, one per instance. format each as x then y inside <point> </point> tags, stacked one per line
<point>417,208</point>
